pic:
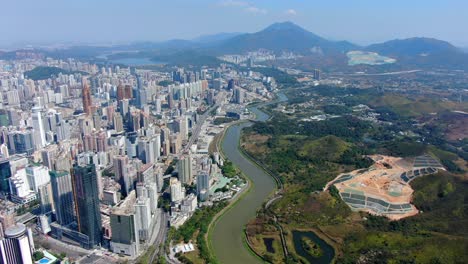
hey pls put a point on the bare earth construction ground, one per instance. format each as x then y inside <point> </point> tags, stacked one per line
<point>384,188</point>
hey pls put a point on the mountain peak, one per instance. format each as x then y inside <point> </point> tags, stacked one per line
<point>414,46</point>
<point>283,36</point>
<point>287,25</point>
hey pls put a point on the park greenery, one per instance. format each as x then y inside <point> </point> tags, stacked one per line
<point>195,230</point>
<point>228,169</point>
<point>165,83</point>
<point>38,255</point>
<point>46,72</point>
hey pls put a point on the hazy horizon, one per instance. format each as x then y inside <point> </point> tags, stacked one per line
<point>115,22</point>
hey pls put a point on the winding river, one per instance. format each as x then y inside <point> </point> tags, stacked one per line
<point>228,233</point>
<point>227,237</point>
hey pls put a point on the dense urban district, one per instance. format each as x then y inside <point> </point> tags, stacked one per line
<point>117,161</point>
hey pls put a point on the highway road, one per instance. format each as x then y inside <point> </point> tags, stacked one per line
<point>196,130</point>
<point>160,238</point>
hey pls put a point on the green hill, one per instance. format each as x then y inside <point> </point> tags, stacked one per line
<point>45,72</point>
<point>329,148</point>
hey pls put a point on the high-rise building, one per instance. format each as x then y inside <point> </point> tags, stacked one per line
<point>17,246</point>
<point>62,192</point>
<point>5,174</point>
<point>125,173</point>
<point>177,193</point>
<point>146,173</point>
<point>185,169</point>
<point>13,97</point>
<point>124,225</point>
<point>149,191</point>
<point>49,155</point>
<point>128,92</point>
<point>149,148</point>
<point>118,122</point>
<point>152,193</point>
<point>37,176</point>
<point>86,97</point>
<point>124,107</point>
<point>38,125</point>
<point>131,143</point>
<point>183,127</point>
<point>231,84</point>
<point>86,196</point>
<point>317,74</point>
<point>46,199</point>
<point>146,150</point>
<point>120,92</point>
<point>128,180</point>
<point>22,141</point>
<point>97,121</point>
<point>170,101</point>
<point>210,97</point>
<point>189,203</point>
<point>96,141</point>
<point>217,84</point>
<point>158,105</point>
<point>135,121</point>
<point>238,95</point>
<point>175,143</point>
<point>141,97</point>
<point>203,184</point>
<point>143,216</point>
<point>120,164</point>
<point>20,190</point>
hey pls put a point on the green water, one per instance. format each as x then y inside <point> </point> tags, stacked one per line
<point>228,234</point>
<point>328,251</point>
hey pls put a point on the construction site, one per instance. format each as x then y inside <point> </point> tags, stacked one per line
<point>384,189</point>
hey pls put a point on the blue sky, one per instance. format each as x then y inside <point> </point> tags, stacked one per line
<point>117,21</point>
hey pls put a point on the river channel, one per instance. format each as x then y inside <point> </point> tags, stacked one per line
<point>228,233</point>
<point>227,236</point>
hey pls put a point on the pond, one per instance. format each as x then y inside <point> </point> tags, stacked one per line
<point>328,253</point>
<point>268,241</point>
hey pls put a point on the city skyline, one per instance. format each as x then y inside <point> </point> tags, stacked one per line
<point>233,131</point>
<point>106,22</point>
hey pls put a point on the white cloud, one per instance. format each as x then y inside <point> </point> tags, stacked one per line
<point>245,6</point>
<point>233,3</point>
<point>255,10</point>
<point>291,12</point>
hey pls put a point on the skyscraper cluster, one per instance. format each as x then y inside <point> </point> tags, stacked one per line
<point>84,155</point>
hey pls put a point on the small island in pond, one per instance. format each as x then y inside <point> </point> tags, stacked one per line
<point>311,247</point>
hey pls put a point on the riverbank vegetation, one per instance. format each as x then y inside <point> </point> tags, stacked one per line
<point>194,230</point>
<point>223,120</point>
<point>264,238</point>
<point>349,124</point>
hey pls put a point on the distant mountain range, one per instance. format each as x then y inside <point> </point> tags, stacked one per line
<point>423,52</point>
<point>287,36</point>
<point>279,37</point>
<point>216,37</point>
<point>413,47</point>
